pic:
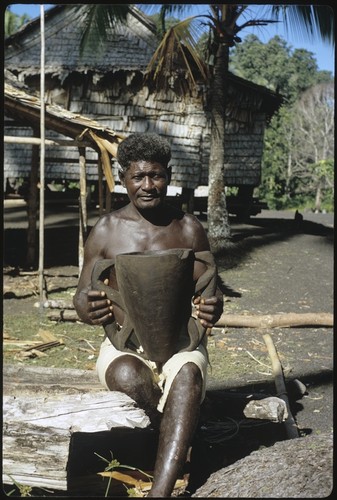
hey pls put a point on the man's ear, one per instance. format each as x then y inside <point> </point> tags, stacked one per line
<point>169,174</point>
<point>121,175</point>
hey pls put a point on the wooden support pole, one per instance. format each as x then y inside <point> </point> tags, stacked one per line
<point>32,208</point>
<point>290,424</point>
<point>42,291</point>
<point>100,186</point>
<point>83,208</point>
<point>107,198</point>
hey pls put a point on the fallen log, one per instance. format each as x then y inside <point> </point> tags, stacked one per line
<point>32,380</point>
<point>58,304</point>
<point>286,320</point>
<point>63,315</point>
<point>134,447</point>
<point>39,434</point>
<point>275,320</point>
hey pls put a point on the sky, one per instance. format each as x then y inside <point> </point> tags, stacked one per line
<point>324,53</point>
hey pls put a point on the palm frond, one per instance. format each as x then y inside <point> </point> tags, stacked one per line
<point>316,21</point>
<point>99,20</point>
<point>177,51</point>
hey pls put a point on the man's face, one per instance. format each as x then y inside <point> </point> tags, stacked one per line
<point>146,184</point>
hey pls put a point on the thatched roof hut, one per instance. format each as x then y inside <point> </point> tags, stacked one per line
<point>108,87</point>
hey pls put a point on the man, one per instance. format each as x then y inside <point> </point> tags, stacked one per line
<point>175,390</point>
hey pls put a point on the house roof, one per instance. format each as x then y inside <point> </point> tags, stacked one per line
<point>128,47</point>
<point>24,106</point>
<point>64,25</point>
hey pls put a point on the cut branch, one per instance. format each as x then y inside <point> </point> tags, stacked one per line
<point>275,320</point>
<point>290,424</point>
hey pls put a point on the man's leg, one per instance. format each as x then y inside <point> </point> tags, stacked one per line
<point>130,375</point>
<point>177,428</point>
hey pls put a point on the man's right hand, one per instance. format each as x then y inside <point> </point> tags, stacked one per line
<point>100,309</point>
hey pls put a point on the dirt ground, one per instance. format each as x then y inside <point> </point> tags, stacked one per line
<point>275,266</point>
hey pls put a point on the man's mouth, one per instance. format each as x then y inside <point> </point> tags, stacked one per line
<point>149,197</point>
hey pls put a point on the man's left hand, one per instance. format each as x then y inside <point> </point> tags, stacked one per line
<point>208,311</point>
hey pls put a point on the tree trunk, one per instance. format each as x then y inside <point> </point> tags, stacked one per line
<point>217,214</point>
<point>318,197</point>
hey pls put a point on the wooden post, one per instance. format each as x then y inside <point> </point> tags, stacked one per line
<point>100,186</point>
<point>107,198</point>
<point>42,292</point>
<point>82,208</point>
<point>32,208</point>
<point>188,200</point>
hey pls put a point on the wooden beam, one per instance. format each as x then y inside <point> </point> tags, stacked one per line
<point>49,142</point>
<point>100,186</point>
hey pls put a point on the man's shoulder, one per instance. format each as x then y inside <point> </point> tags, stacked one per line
<point>192,220</point>
<point>114,215</point>
<point>110,219</point>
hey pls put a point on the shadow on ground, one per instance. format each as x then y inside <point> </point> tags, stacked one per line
<point>61,243</point>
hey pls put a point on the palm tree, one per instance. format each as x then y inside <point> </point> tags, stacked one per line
<point>222,20</point>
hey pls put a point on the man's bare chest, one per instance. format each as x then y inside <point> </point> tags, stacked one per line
<point>142,239</point>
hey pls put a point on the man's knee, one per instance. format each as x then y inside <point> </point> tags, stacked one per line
<point>125,372</point>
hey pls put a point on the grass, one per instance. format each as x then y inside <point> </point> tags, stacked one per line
<point>79,342</point>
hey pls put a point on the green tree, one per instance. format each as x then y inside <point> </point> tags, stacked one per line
<point>299,151</point>
<point>13,22</point>
<point>313,151</point>
<point>275,66</point>
<point>304,70</point>
<point>223,23</point>
<point>276,183</point>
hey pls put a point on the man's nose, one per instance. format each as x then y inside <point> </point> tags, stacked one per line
<point>147,182</point>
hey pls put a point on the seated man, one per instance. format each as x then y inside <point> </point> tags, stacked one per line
<point>175,389</point>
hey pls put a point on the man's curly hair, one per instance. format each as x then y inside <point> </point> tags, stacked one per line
<point>147,147</point>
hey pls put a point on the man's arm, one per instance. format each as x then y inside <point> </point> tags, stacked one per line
<point>92,306</point>
<point>207,310</point>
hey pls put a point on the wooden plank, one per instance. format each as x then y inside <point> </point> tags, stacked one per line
<point>49,142</point>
